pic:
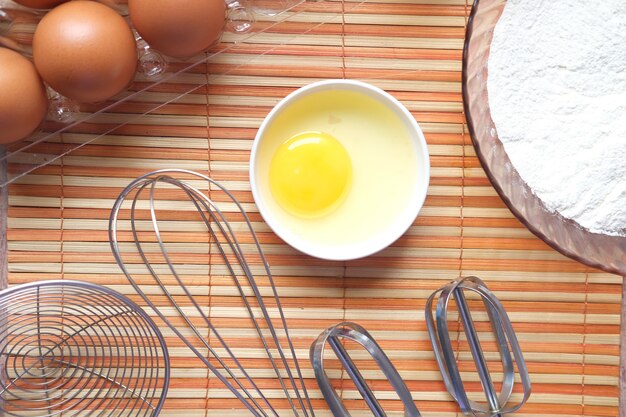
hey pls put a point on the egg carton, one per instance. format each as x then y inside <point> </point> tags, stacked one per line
<point>246,19</point>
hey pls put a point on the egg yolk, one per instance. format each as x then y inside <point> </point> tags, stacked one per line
<point>310,174</point>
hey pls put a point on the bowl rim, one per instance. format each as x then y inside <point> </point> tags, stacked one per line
<point>360,250</point>
<point>545,237</point>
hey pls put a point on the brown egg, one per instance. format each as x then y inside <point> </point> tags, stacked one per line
<point>40,4</point>
<point>23,100</point>
<point>85,51</point>
<point>178,28</point>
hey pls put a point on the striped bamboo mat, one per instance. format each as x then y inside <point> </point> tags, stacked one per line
<point>566,315</point>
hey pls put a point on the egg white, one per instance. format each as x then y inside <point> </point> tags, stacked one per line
<point>386,170</point>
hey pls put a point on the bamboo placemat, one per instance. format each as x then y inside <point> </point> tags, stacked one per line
<point>566,315</point>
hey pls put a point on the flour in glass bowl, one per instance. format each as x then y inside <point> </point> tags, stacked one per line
<point>557,95</point>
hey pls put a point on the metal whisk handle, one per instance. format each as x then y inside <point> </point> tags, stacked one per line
<point>358,334</point>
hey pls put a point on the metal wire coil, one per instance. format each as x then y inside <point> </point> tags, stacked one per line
<point>73,348</point>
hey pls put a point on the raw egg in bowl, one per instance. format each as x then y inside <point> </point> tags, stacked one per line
<point>339,169</point>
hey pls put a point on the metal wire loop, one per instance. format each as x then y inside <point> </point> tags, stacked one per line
<point>358,334</point>
<point>497,403</point>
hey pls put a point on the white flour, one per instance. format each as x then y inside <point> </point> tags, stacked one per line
<point>557,94</point>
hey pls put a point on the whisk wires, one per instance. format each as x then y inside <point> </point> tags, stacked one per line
<point>235,260</point>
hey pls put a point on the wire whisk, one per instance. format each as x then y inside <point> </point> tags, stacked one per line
<point>142,232</point>
<point>72,348</point>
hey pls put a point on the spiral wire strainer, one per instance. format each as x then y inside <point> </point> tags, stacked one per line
<point>72,348</point>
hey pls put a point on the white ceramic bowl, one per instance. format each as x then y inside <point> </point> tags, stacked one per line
<point>390,175</point>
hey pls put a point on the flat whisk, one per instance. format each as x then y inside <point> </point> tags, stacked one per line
<point>70,348</point>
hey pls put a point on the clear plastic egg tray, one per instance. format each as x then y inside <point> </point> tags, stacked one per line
<point>159,81</point>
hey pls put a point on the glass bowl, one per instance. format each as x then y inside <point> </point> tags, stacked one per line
<point>600,251</point>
